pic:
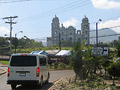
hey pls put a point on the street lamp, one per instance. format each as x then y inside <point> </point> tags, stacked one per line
<point>97,32</point>
<point>16,39</point>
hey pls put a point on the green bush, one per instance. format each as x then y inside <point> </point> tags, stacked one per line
<point>61,66</point>
<point>114,70</point>
<point>53,66</point>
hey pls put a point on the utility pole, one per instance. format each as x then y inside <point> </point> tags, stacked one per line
<point>10,21</point>
<point>59,42</point>
<point>97,32</point>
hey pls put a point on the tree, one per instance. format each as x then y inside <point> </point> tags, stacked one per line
<point>77,59</point>
<point>106,64</point>
<point>82,61</point>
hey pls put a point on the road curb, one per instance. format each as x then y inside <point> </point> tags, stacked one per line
<point>51,88</point>
<point>4,71</point>
<point>55,83</point>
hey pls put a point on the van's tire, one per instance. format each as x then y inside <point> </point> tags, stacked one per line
<point>13,86</point>
<point>47,78</point>
<point>41,83</point>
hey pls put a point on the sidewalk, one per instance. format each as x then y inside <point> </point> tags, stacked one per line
<point>2,71</point>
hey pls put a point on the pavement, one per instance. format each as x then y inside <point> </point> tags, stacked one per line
<point>2,71</point>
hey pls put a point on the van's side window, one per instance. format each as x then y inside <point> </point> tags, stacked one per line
<point>42,61</point>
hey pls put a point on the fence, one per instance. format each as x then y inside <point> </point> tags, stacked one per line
<point>4,57</point>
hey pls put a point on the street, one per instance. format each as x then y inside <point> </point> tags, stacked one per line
<point>54,75</point>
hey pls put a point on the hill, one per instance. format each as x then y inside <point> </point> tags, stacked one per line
<point>103,36</point>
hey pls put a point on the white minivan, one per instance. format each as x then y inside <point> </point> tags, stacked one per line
<point>28,69</point>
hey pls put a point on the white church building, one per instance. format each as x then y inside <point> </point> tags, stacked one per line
<point>60,33</point>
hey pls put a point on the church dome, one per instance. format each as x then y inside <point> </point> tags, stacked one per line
<point>71,27</point>
<point>55,19</point>
<point>85,19</point>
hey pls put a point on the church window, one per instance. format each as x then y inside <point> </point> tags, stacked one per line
<point>78,32</point>
<point>55,38</point>
<point>55,32</point>
<point>70,38</point>
<point>78,39</point>
<point>85,25</point>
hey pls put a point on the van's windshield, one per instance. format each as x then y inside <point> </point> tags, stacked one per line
<point>23,61</point>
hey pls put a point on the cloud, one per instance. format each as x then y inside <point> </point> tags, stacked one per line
<point>72,22</point>
<point>4,30</point>
<point>106,4</point>
<point>111,23</point>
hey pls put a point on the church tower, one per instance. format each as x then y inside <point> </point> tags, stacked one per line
<point>85,30</point>
<point>55,30</point>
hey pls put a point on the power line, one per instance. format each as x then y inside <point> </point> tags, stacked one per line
<point>16,1</point>
<point>60,9</point>
<point>107,35</point>
<point>105,28</point>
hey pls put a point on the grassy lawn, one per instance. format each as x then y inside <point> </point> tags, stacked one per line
<point>4,62</point>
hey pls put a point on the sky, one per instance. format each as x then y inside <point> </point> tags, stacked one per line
<point>35,16</point>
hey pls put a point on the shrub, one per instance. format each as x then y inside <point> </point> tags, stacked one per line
<point>61,66</point>
<point>114,70</point>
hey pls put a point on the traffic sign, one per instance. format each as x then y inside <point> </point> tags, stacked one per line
<point>100,51</point>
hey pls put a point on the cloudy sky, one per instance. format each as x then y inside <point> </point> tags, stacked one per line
<point>35,16</point>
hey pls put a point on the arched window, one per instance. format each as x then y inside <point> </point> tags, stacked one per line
<point>55,38</point>
<point>78,39</point>
<point>78,32</point>
<point>70,38</point>
<point>55,32</point>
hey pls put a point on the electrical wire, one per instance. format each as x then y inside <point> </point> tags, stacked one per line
<point>58,10</point>
<point>107,35</point>
<point>16,1</point>
<point>105,28</point>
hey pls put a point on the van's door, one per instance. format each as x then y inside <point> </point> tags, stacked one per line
<point>23,68</point>
<point>43,66</point>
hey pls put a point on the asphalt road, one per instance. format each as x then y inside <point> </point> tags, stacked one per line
<point>54,75</point>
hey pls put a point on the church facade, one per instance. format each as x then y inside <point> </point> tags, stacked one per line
<point>60,33</point>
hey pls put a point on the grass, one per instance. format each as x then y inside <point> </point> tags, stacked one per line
<point>28,50</point>
<point>4,62</point>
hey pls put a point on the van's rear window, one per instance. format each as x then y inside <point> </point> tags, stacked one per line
<point>23,61</point>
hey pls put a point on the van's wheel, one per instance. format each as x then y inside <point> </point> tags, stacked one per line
<point>47,78</point>
<point>13,86</point>
<point>41,83</point>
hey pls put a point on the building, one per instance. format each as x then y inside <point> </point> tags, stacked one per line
<point>69,34</point>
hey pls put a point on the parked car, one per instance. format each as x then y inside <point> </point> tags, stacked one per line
<point>28,69</point>
<point>117,59</point>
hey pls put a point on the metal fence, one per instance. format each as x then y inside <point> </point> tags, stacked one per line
<point>4,57</point>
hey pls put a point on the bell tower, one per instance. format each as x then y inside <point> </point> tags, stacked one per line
<point>55,30</point>
<point>85,30</point>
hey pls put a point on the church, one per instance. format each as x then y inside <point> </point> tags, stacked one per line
<point>61,33</point>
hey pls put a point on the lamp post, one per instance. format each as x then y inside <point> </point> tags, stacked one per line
<point>97,32</point>
<point>16,40</point>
